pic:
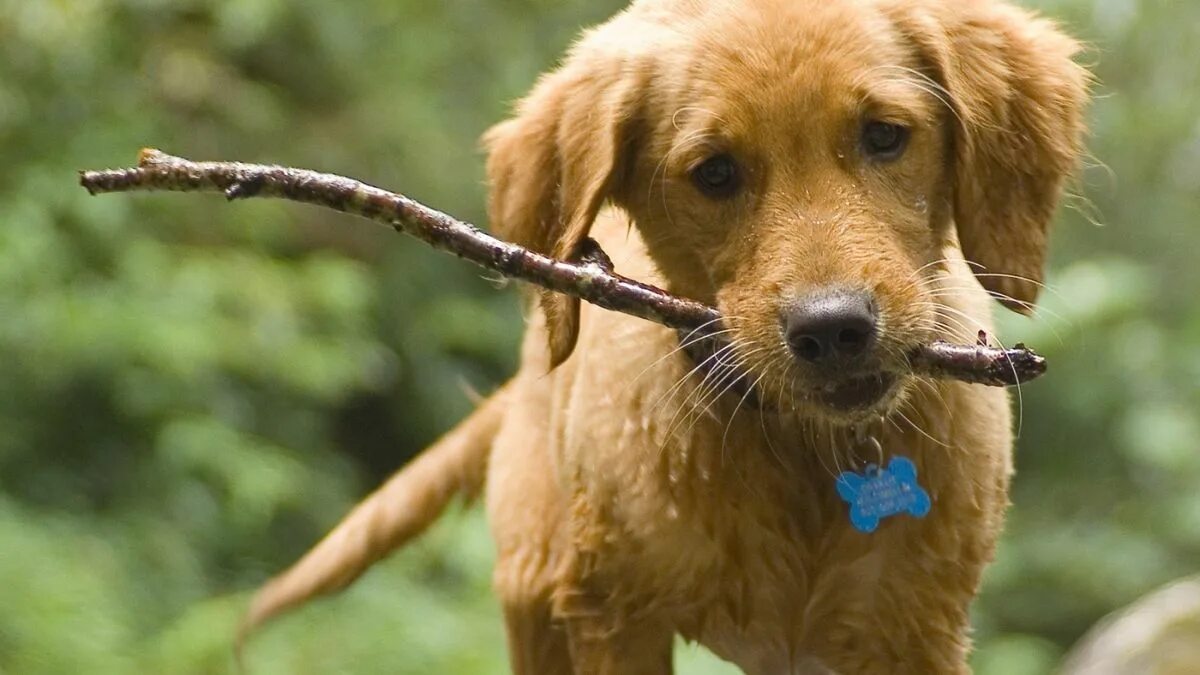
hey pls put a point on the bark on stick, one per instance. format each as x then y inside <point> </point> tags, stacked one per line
<point>591,279</point>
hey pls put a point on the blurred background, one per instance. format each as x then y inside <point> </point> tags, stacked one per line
<point>192,392</point>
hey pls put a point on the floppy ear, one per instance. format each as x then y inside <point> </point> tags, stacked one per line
<point>554,164</point>
<point>1018,99</point>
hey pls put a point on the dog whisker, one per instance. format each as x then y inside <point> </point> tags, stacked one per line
<point>926,84</point>
<point>687,341</point>
<point>683,379</point>
<point>1016,375</point>
<point>687,409</point>
<point>1036,312</point>
<point>1018,277</point>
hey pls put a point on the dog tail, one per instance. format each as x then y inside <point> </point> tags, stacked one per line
<point>395,513</point>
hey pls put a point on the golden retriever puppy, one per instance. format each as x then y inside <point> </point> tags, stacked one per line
<point>844,180</point>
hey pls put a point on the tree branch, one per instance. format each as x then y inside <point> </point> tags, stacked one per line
<point>592,279</point>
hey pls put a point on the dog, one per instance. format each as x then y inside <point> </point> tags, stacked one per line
<point>844,180</point>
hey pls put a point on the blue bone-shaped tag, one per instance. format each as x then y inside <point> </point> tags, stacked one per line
<point>883,492</point>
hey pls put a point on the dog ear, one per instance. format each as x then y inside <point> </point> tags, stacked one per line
<point>1018,100</point>
<point>552,166</point>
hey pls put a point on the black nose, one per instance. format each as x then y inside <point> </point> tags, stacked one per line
<point>830,327</point>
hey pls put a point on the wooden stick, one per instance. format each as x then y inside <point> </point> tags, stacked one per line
<point>591,279</point>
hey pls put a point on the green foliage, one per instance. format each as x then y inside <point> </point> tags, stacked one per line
<point>193,392</point>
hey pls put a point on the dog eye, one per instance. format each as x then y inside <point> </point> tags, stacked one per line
<point>884,141</point>
<point>717,176</point>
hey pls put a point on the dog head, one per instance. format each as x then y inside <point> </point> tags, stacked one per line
<point>804,165</point>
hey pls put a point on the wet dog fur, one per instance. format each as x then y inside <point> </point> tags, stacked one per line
<point>744,153</point>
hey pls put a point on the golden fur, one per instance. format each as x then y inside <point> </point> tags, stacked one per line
<point>633,498</point>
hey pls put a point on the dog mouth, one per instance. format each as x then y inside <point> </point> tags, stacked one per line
<point>856,394</point>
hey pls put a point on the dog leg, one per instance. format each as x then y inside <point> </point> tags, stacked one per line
<point>537,645</point>
<point>642,648</point>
